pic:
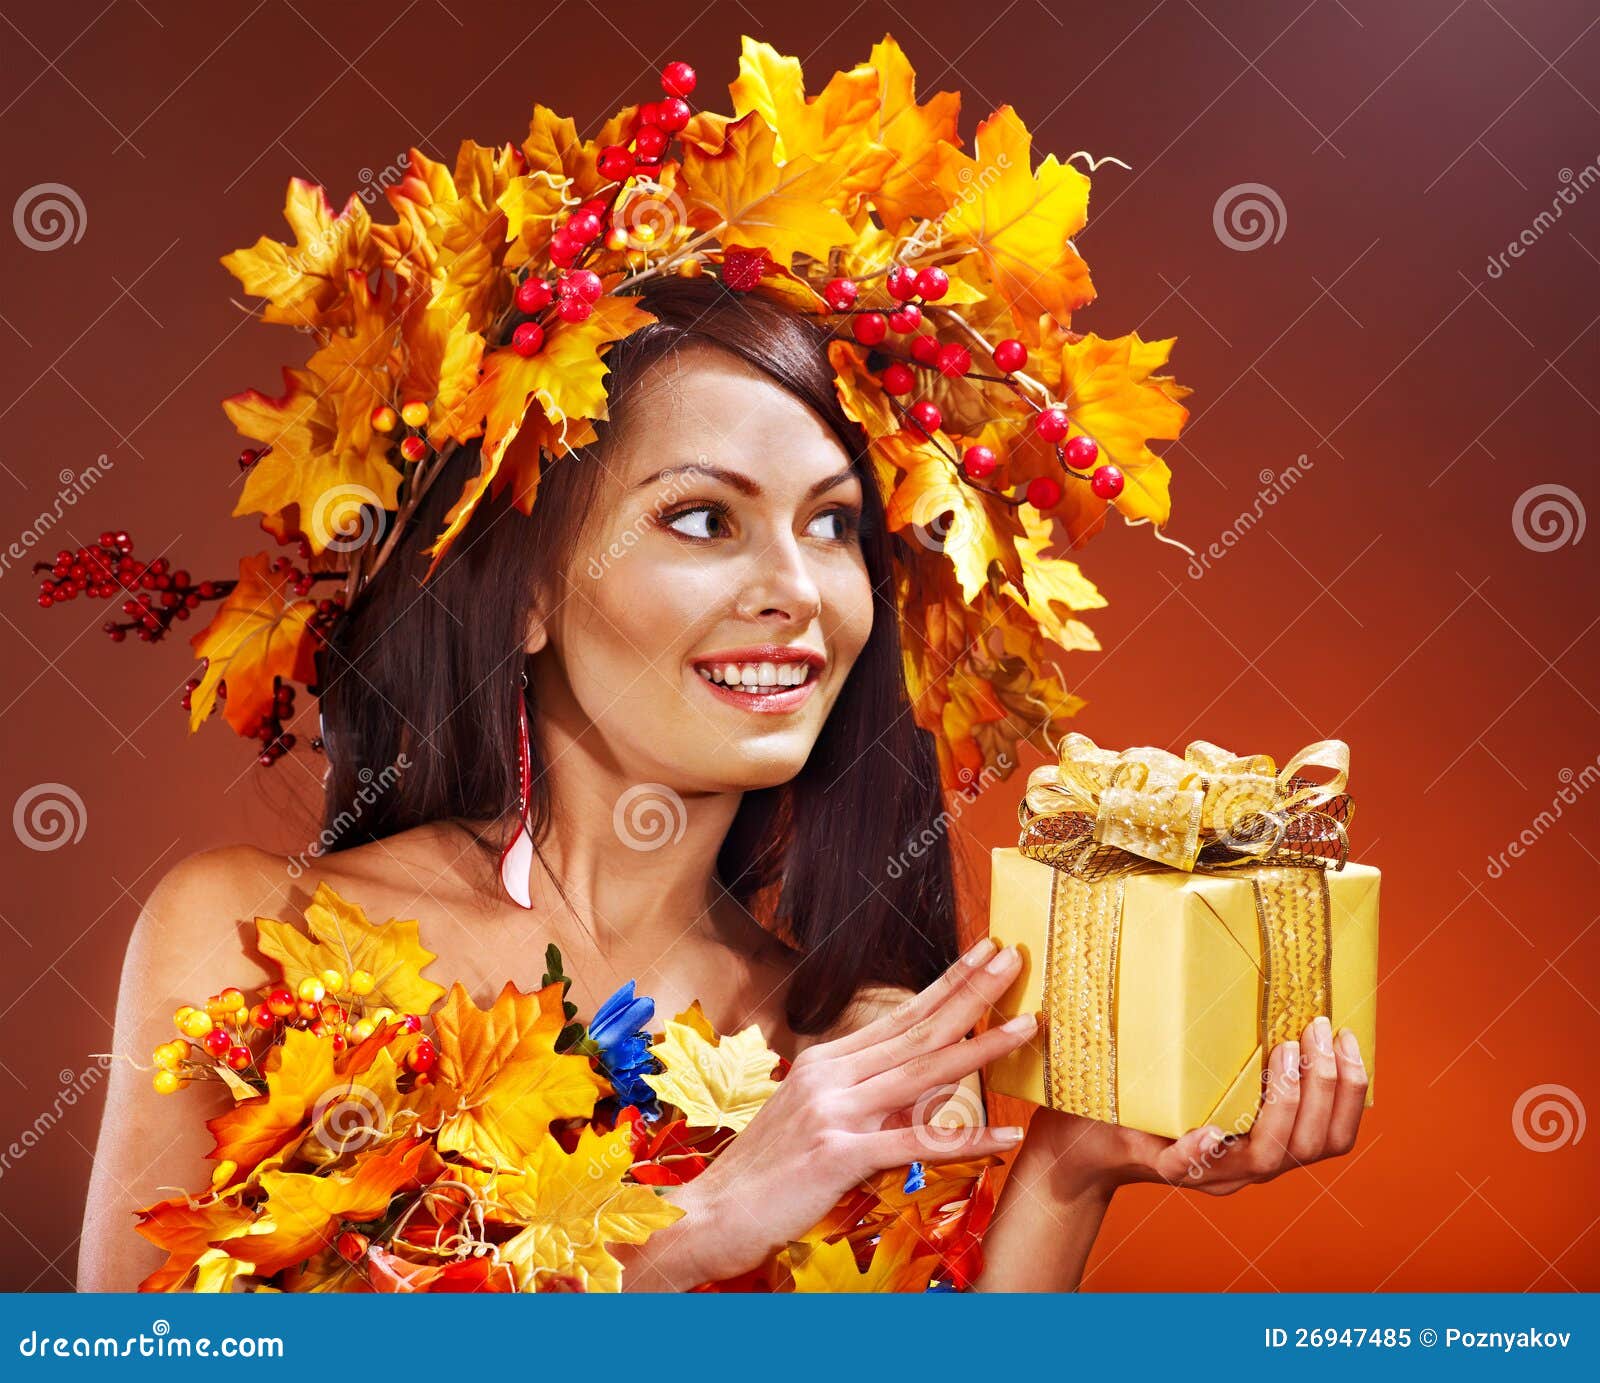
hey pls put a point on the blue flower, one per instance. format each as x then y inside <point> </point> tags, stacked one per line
<point>620,1030</point>
<point>916,1178</point>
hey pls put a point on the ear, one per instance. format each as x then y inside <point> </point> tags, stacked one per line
<point>538,629</point>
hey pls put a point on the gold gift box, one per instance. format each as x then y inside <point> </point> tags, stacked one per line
<point>1175,1020</point>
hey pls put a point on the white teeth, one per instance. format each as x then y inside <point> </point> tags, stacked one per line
<point>756,677</point>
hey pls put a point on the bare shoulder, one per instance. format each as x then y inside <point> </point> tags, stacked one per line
<point>203,900</point>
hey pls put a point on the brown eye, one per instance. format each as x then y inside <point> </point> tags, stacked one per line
<point>704,522</point>
<point>838,525</point>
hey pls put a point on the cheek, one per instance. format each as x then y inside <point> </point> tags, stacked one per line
<point>848,611</point>
<point>635,607</point>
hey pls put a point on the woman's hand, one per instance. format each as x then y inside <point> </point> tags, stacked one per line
<point>848,1109</point>
<point>1311,1109</point>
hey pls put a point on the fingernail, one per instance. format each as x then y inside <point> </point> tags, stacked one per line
<point>1003,961</point>
<point>1023,1022</point>
<point>980,953</point>
<point>1291,1060</point>
<point>1010,1133</point>
<point>1349,1047</point>
<point>1322,1035</point>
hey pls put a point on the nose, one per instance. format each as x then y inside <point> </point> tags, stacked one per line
<point>778,587</point>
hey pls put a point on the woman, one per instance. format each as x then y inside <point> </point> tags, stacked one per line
<point>725,528</point>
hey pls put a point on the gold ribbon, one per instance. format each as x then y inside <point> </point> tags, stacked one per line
<point>1096,816</point>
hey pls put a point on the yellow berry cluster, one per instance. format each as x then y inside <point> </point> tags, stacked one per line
<point>328,1004</point>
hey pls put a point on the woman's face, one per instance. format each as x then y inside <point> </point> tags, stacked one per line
<point>718,597</point>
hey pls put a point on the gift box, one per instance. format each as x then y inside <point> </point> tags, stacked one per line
<point>1178,917</point>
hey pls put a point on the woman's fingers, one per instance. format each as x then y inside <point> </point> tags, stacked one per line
<point>929,1070</point>
<point>1349,1096</point>
<point>924,1142</point>
<point>916,1007</point>
<point>971,997</point>
<point>1319,1077</point>
<point>1190,1158</point>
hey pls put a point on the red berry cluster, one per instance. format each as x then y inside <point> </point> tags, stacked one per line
<point>911,288</point>
<point>576,290</point>
<point>109,568</point>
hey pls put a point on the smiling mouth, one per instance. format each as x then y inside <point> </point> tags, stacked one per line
<point>758,679</point>
<point>771,687</point>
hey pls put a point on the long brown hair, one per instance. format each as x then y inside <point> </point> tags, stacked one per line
<point>851,854</point>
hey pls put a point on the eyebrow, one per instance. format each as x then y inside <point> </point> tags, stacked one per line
<point>741,482</point>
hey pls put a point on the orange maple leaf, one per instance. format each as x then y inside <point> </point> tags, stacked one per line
<point>741,191</point>
<point>257,1128</point>
<point>563,385</point>
<point>187,1229</point>
<point>258,633</point>
<point>306,1210</point>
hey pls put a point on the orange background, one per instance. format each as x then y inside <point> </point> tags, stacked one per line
<point>1385,598</point>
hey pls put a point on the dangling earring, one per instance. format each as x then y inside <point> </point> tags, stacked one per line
<point>516,859</point>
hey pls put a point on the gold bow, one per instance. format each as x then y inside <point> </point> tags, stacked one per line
<point>1096,812</point>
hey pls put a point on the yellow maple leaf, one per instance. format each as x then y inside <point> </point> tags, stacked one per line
<point>451,233</point>
<point>836,126</point>
<point>571,1205</point>
<point>563,170</point>
<point>564,383</point>
<point>305,284</point>
<point>741,191</point>
<point>1051,582</point>
<point>257,633</point>
<point>500,1080</point>
<point>901,1262</point>
<point>1112,395</point>
<point>329,475</point>
<point>716,1085</point>
<point>342,939</point>
<point>946,513</point>
<point>917,136</point>
<point>442,359</point>
<point>1020,219</point>
<point>475,1043</point>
